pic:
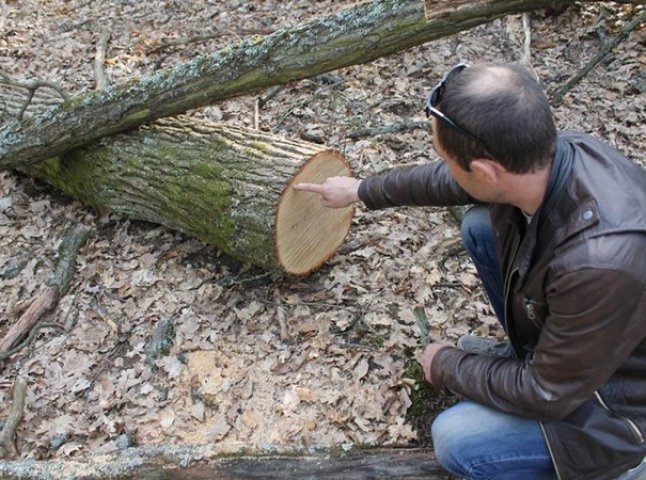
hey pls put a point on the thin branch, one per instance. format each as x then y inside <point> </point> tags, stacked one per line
<point>31,88</point>
<point>273,91</point>
<point>99,60</point>
<point>56,287</point>
<point>557,96</point>
<point>280,317</point>
<point>394,128</point>
<point>422,322</point>
<point>13,419</point>
<point>307,100</point>
<point>527,29</point>
<point>30,339</point>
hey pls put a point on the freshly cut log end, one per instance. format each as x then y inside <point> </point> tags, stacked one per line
<point>307,233</point>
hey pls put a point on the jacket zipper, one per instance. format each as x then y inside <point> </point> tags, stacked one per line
<point>632,426</point>
<point>510,274</point>
<point>549,449</point>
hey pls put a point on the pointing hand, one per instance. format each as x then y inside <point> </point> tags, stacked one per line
<point>335,192</point>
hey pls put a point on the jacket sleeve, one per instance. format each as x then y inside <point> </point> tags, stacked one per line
<point>596,320</point>
<point>430,184</point>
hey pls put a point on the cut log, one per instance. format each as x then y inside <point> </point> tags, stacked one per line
<point>205,462</point>
<point>359,34</point>
<point>227,186</point>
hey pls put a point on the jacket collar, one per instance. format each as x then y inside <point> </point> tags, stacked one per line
<point>554,203</point>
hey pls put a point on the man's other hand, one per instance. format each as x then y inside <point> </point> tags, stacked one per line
<point>335,192</point>
<point>427,357</point>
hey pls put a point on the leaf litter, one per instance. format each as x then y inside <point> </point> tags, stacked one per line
<point>319,361</point>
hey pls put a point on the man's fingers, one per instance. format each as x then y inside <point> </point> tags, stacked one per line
<point>309,187</point>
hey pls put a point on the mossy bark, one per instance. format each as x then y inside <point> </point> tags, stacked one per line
<point>220,184</point>
<point>355,35</point>
<point>236,462</point>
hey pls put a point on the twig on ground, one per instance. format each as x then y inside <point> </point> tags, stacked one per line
<point>527,28</point>
<point>262,101</point>
<point>394,128</point>
<point>7,446</point>
<point>56,287</point>
<point>557,96</point>
<point>256,114</point>
<point>280,316</point>
<point>422,322</point>
<point>69,322</point>
<point>99,60</point>
<point>456,214</point>
<point>30,338</point>
<point>305,101</point>
<point>273,91</point>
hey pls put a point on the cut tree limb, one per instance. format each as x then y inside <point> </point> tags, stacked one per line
<point>355,35</point>
<point>57,286</point>
<point>227,186</point>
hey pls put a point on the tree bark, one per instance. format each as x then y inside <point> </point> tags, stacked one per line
<point>227,186</point>
<point>351,36</point>
<point>204,461</point>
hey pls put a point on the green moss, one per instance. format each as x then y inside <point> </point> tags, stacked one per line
<point>427,402</point>
<point>167,182</point>
<point>75,174</point>
<point>138,115</point>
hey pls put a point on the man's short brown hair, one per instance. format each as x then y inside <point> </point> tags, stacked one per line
<point>504,106</point>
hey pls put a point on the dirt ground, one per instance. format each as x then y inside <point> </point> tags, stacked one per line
<point>342,372</point>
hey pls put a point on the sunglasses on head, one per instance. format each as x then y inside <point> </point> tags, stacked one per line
<point>435,97</point>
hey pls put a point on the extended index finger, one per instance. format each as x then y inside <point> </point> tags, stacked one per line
<point>309,187</point>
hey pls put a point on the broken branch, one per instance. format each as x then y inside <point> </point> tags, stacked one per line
<point>99,60</point>
<point>394,128</point>
<point>557,96</point>
<point>57,286</point>
<point>8,433</point>
<point>31,88</point>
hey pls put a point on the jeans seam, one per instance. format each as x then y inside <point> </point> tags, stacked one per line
<point>474,466</point>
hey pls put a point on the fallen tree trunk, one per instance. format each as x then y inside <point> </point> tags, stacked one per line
<point>206,462</point>
<point>224,185</point>
<point>352,36</point>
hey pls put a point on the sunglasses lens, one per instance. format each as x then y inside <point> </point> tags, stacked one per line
<point>436,93</point>
<point>438,90</point>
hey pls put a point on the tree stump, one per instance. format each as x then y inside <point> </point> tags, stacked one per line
<point>228,186</point>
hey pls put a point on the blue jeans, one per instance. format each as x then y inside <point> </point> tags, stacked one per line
<point>479,240</point>
<point>473,441</point>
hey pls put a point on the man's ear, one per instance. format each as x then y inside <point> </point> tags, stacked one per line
<point>487,170</point>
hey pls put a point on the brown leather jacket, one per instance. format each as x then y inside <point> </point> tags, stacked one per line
<point>575,290</point>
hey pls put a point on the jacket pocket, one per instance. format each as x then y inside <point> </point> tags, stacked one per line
<point>535,311</point>
<point>630,424</point>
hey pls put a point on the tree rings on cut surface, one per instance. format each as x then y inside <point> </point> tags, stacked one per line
<point>307,233</point>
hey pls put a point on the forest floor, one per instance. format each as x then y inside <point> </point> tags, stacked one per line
<point>343,373</point>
